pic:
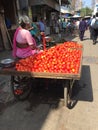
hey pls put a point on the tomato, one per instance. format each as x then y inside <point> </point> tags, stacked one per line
<point>62,58</point>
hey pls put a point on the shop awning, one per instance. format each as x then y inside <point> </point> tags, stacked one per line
<point>76,16</point>
<point>67,15</point>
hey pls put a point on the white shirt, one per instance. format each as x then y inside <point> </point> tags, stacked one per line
<point>93,21</point>
<point>77,24</point>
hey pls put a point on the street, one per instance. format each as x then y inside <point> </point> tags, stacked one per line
<point>45,110</point>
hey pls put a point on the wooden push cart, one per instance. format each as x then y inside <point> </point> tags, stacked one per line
<point>20,79</point>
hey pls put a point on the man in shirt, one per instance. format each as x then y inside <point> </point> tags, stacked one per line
<point>82,28</point>
<point>94,30</point>
<point>41,25</point>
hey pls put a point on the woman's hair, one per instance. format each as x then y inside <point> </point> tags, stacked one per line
<point>23,20</point>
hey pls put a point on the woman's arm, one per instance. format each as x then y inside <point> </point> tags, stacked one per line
<point>33,47</point>
<point>31,28</point>
<point>31,41</point>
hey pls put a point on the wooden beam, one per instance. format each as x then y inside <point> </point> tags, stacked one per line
<point>3,32</point>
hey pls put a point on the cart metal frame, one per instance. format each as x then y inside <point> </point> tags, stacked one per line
<point>68,79</point>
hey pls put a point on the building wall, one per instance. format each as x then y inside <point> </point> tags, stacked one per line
<point>51,3</point>
<point>23,4</point>
<point>78,5</point>
<point>93,4</point>
<point>73,2</point>
<point>96,1</point>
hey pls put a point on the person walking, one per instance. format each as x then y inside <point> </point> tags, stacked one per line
<point>64,24</point>
<point>94,25</point>
<point>41,25</point>
<point>35,32</point>
<point>89,26</point>
<point>82,28</point>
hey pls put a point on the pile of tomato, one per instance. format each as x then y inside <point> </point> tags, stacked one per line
<point>62,58</point>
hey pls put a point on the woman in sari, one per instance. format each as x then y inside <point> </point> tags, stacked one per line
<point>24,44</point>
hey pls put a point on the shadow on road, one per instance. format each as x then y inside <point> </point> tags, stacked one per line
<point>35,113</point>
<point>47,91</point>
<point>82,90</point>
<point>52,91</point>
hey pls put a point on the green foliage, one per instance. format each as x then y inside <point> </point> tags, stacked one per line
<point>85,11</point>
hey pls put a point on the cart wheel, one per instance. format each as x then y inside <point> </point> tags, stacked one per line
<point>71,103</point>
<point>21,86</point>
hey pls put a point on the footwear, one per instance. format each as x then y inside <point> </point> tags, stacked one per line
<point>81,39</point>
<point>94,41</point>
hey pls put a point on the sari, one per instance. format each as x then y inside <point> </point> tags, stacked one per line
<point>24,37</point>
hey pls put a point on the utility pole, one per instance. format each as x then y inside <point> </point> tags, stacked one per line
<point>60,8</point>
<point>73,3</point>
<point>60,36</point>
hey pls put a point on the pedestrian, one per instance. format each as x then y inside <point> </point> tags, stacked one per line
<point>64,24</point>
<point>41,25</point>
<point>90,27</point>
<point>35,32</point>
<point>24,44</point>
<point>82,28</point>
<point>94,25</point>
<point>77,24</point>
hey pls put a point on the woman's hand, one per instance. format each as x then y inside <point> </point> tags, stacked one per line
<point>31,28</point>
<point>33,47</point>
<point>42,33</point>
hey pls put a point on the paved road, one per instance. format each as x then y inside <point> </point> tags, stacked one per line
<point>44,110</point>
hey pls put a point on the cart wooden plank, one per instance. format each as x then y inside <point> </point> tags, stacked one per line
<point>11,71</point>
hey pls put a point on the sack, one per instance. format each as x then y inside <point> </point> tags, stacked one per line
<point>95,25</point>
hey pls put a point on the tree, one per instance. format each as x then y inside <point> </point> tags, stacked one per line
<point>85,11</point>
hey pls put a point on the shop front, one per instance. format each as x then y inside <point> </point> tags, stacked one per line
<point>48,10</point>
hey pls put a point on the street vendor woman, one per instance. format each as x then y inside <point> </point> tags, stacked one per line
<point>24,44</point>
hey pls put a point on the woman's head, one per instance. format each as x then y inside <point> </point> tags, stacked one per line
<point>24,21</point>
